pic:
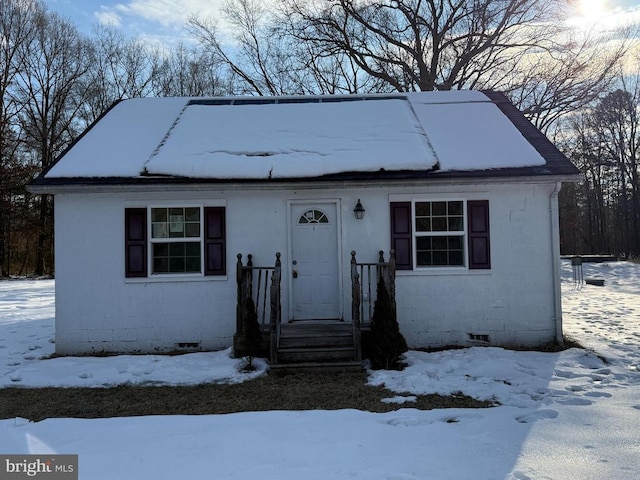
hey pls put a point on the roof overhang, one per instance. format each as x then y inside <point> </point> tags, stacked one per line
<point>360,180</point>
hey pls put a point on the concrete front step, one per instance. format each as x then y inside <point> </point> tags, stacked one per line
<point>315,367</point>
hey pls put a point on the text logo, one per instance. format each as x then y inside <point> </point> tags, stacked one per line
<point>49,467</point>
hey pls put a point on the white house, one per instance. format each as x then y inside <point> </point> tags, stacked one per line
<point>154,202</point>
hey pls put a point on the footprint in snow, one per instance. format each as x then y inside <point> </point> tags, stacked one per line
<point>535,416</point>
<point>409,422</point>
<point>598,394</point>
<point>576,388</point>
<point>597,378</point>
<point>15,378</point>
<point>574,401</point>
<point>29,357</point>
<point>518,475</point>
<point>558,393</point>
<point>463,418</point>
<point>85,375</point>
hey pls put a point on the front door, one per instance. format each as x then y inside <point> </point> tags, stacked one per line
<point>314,262</point>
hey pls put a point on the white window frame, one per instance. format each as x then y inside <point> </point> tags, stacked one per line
<point>463,233</point>
<point>151,241</point>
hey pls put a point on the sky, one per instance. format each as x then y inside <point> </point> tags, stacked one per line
<point>164,19</point>
<point>563,415</point>
<point>151,19</point>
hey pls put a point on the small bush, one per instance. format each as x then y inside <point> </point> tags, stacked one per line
<point>386,342</point>
<point>251,335</point>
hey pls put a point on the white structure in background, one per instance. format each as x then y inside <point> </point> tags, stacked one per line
<point>155,200</point>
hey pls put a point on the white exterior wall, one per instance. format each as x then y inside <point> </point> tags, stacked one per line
<point>98,309</point>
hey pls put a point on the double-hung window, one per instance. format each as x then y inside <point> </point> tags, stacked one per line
<point>175,240</point>
<point>441,233</point>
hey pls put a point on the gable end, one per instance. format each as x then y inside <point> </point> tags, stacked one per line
<point>557,162</point>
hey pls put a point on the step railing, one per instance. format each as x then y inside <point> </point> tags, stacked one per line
<point>364,281</point>
<point>262,285</point>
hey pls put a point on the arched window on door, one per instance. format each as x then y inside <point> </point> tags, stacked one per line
<point>313,216</point>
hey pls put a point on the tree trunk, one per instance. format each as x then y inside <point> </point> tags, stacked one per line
<point>42,236</point>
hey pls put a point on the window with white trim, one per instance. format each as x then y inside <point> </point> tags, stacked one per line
<point>177,240</point>
<point>440,233</point>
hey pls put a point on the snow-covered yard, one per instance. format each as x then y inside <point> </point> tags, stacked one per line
<point>562,415</point>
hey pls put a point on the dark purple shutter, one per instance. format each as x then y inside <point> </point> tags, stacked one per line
<point>479,247</point>
<point>401,234</point>
<point>135,232</point>
<point>214,241</point>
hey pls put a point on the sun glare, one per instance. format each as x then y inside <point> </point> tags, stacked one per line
<point>600,15</point>
<point>592,9</point>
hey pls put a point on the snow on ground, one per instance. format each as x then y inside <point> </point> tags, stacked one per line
<point>27,335</point>
<point>573,414</point>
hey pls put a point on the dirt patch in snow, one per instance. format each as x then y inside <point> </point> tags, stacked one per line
<point>290,392</point>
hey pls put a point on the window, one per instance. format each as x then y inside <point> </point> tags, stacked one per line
<point>439,231</point>
<point>443,233</point>
<point>313,216</point>
<point>181,240</point>
<point>176,241</point>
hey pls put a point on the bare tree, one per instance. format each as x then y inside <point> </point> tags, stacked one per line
<point>189,71</point>
<point>119,68</point>
<point>617,125</point>
<point>260,61</point>
<point>49,88</point>
<point>523,47</point>
<point>16,29</point>
<point>604,142</point>
<point>569,76</point>
<point>263,58</point>
<point>422,45</point>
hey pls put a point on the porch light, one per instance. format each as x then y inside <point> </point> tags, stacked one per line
<point>359,210</point>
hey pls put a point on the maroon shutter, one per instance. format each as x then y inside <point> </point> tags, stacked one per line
<point>401,234</point>
<point>135,232</point>
<point>479,248</point>
<point>214,241</point>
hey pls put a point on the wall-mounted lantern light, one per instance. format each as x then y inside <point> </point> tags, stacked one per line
<point>359,210</point>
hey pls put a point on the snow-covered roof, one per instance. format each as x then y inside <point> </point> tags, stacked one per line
<point>257,138</point>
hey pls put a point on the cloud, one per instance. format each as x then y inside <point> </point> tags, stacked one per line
<point>167,13</point>
<point>108,17</point>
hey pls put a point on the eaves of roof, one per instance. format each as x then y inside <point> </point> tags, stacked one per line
<point>506,175</point>
<point>557,162</point>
